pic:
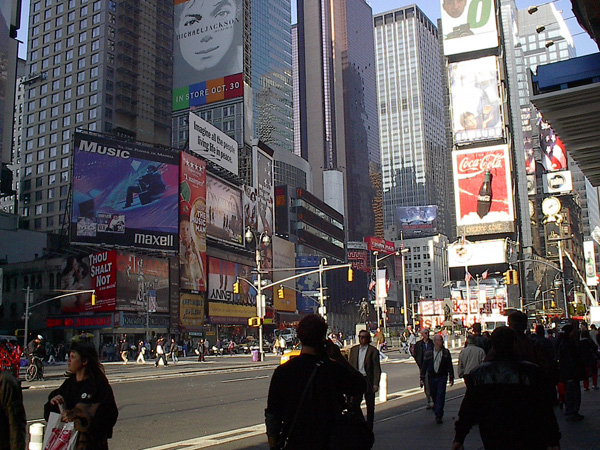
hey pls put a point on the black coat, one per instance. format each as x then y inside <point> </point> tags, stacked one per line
<point>570,362</point>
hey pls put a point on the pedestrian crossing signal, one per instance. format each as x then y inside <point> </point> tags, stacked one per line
<point>280,293</point>
<point>236,287</point>
<point>350,274</point>
<point>254,321</point>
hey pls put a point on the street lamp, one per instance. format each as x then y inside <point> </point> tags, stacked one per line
<point>265,239</point>
<point>377,299</point>
<point>322,310</point>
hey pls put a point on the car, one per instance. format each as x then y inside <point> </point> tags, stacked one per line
<point>289,335</point>
<point>289,354</point>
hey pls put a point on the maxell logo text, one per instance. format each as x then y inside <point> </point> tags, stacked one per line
<point>150,239</point>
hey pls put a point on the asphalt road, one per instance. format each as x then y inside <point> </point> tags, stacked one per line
<point>159,406</point>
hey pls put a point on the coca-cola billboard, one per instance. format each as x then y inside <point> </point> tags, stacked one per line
<point>483,190</point>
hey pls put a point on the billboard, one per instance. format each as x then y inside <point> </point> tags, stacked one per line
<point>265,192</point>
<point>249,202</point>
<point>192,224</point>
<point>75,276</point>
<point>142,282</point>
<point>375,244</point>
<point>224,211</point>
<point>554,154</point>
<point>124,194</point>
<point>483,190</point>
<point>476,113</point>
<point>284,255</point>
<point>468,25</point>
<point>529,157</point>
<point>462,254</point>
<point>590,263</point>
<point>103,273</point>
<point>212,144</point>
<point>307,299</point>
<point>415,221</point>
<point>221,276</point>
<point>557,182</point>
<point>191,312</point>
<point>208,52</point>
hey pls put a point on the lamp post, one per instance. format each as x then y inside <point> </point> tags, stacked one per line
<point>260,302</point>
<point>378,301</point>
<point>404,299</point>
<point>322,310</point>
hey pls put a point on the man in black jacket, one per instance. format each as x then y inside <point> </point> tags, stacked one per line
<point>424,353</point>
<point>571,370</point>
<point>507,402</point>
<point>365,358</point>
<point>438,370</point>
<point>307,423</point>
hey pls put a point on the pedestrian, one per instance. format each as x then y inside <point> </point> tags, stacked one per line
<point>504,383</point>
<point>276,346</point>
<point>589,353</point>
<point>230,347</point>
<point>571,371</point>
<point>13,422</point>
<point>517,320</point>
<point>51,353</point>
<point>306,421</point>
<point>469,358</point>
<point>411,340</point>
<point>439,371</point>
<point>594,334</point>
<point>200,350</point>
<point>380,339</point>
<point>160,352</point>
<point>282,344</point>
<point>87,398</point>
<point>479,339</point>
<point>545,358</point>
<point>219,346</point>
<point>141,348</point>
<point>173,351</point>
<point>365,358</point>
<point>124,350</point>
<point>424,353</point>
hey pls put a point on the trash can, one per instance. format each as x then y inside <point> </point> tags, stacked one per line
<point>255,357</point>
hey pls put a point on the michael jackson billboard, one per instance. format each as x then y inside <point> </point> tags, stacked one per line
<point>124,194</point>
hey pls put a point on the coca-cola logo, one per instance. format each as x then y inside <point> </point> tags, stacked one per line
<point>487,162</point>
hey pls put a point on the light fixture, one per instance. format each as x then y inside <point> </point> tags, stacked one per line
<point>248,234</point>
<point>549,44</point>
<point>540,29</point>
<point>532,9</point>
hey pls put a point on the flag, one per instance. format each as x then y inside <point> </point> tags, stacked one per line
<point>371,285</point>
<point>485,274</point>
<point>468,276</point>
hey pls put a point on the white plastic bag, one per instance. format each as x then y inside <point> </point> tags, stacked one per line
<point>59,435</point>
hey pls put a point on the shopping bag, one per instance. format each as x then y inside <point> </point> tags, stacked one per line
<point>59,435</point>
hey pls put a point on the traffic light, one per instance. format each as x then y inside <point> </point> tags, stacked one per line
<point>553,304</point>
<point>515,276</point>
<point>507,277</point>
<point>93,299</point>
<point>255,321</point>
<point>350,274</point>
<point>236,287</point>
<point>280,293</point>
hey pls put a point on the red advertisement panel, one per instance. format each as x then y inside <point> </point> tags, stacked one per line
<point>192,224</point>
<point>375,244</point>
<point>359,260</point>
<point>483,189</point>
<point>103,271</point>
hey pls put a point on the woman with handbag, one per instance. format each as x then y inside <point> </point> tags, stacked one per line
<point>86,399</point>
<point>306,397</point>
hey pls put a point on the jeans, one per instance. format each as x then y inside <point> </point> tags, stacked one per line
<point>437,387</point>
<point>572,397</point>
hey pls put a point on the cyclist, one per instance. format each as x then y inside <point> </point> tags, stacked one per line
<point>35,355</point>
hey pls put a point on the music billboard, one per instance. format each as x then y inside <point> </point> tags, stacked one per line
<point>483,190</point>
<point>468,25</point>
<point>192,224</point>
<point>224,211</point>
<point>142,282</point>
<point>208,52</point>
<point>124,194</point>
<point>476,105</point>
<point>416,221</point>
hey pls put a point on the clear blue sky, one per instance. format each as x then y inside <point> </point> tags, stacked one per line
<point>431,8</point>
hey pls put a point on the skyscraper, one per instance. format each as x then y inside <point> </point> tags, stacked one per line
<point>414,154</point>
<point>338,109</point>
<point>99,66</point>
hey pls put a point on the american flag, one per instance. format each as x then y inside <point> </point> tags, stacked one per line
<point>468,276</point>
<point>484,275</point>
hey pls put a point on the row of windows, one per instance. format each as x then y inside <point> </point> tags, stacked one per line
<point>39,209</point>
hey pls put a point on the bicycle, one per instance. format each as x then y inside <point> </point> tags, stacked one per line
<point>35,369</point>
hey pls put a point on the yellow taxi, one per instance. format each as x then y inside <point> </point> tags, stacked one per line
<point>287,355</point>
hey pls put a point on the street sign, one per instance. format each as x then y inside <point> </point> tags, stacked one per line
<point>311,293</point>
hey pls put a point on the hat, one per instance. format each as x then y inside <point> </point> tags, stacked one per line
<point>39,336</point>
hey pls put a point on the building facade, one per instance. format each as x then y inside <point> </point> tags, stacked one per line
<point>414,153</point>
<point>338,109</point>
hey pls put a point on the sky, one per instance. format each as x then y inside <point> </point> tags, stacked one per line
<point>583,44</point>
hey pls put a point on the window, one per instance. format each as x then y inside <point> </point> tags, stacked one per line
<point>80,90</point>
<point>92,114</point>
<point>79,117</point>
<point>79,104</point>
<point>71,16</point>
<point>67,94</point>
<point>50,207</point>
<point>39,169</point>
<point>95,59</point>
<point>95,32</point>
<point>59,21</point>
<point>50,221</point>
<point>59,9</point>
<point>67,108</point>
<point>93,99</point>
<point>70,41</point>
<point>29,158</point>
<point>97,5</point>
<point>94,72</point>
<point>95,45</point>
<point>96,19</point>
<point>58,34</point>
<point>70,29</point>
<point>81,50</point>
<point>51,179</point>
<point>51,193</point>
<point>94,86</point>
<point>80,77</point>
<point>55,98</point>
<point>39,209</point>
<point>64,191</point>
<point>64,177</point>
<point>34,55</point>
<point>69,55</point>
<point>69,68</point>
<point>64,163</point>
<point>56,70</point>
<point>66,121</point>
<point>56,85</point>
<point>52,166</point>
<point>38,196</point>
<point>43,102</point>
<point>35,30</point>
<point>52,152</point>
<point>41,141</point>
<point>65,149</point>
<point>82,37</point>
<point>53,138</point>
<point>40,155</point>
<point>68,80</point>
<point>83,11</point>
<point>39,182</point>
<point>66,135</point>
<point>34,43</point>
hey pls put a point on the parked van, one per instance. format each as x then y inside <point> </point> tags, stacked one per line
<point>289,335</point>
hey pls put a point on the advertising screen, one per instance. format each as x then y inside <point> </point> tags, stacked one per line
<point>142,281</point>
<point>191,312</point>
<point>249,201</point>
<point>468,25</point>
<point>221,276</point>
<point>224,211</point>
<point>208,52</point>
<point>192,224</point>
<point>265,192</point>
<point>476,113</point>
<point>462,254</point>
<point>554,154</point>
<point>212,144</point>
<point>590,263</point>
<point>483,190</point>
<point>75,276</point>
<point>284,255</point>
<point>414,221</point>
<point>307,300</point>
<point>124,194</point>
<point>558,182</point>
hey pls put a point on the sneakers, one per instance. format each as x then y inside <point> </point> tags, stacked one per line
<point>576,417</point>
